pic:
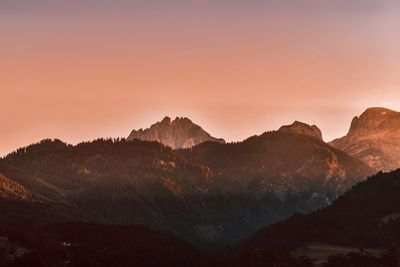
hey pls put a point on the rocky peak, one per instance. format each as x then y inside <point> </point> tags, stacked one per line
<point>375,120</point>
<point>298,127</point>
<point>178,133</point>
<point>374,137</point>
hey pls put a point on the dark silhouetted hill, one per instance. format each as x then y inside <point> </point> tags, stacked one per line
<point>366,216</point>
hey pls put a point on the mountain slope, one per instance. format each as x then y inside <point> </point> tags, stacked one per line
<point>138,182</point>
<point>293,171</point>
<point>178,133</point>
<point>59,171</point>
<point>367,215</point>
<point>10,190</point>
<point>20,206</point>
<point>134,176</point>
<point>127,182</point>
<point>374,138</point>
<point>288,161</point>
<point>360,228</point>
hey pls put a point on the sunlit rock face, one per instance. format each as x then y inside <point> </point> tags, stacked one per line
<point>374,137</point>
<point>178,133</point>
<point>10,190</point>
<point>303,129</point>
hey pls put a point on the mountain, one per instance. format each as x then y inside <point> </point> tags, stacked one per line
<point>358,217</point>
<point>121,182</point>
<point>127,182</point>
<point>374,138</point>
<point>367,216</point>
<point>279,173</point>
<point>178,133</point>
<point>292,160</point>
<point>212,194</point>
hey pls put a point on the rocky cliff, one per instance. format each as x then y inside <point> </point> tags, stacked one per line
<point>178,133</point>
<point>374,138</point>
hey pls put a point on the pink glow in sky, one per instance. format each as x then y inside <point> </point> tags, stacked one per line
<point>79,70</point>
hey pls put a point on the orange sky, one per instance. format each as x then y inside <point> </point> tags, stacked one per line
<point>78,70</point>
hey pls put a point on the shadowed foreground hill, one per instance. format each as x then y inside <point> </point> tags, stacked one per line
<point>368,215</point>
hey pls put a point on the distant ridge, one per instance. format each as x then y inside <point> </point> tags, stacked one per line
<point>178,133</point>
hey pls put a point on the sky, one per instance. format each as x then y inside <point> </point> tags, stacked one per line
<point>78,70</point>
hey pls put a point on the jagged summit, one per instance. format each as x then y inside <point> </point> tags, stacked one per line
<point>302,128</point>
<point>374,137</point>
<point>178,133</point>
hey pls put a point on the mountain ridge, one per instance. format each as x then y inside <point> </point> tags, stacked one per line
<point>190,192</point>
<point>211,193</point>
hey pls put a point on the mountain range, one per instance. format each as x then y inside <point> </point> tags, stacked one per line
<point>373,137</point>
<point>212,194</point>
<point>177,178</point>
